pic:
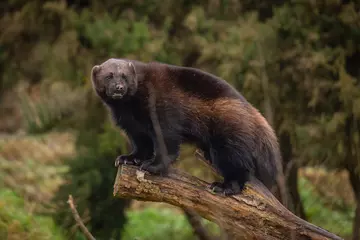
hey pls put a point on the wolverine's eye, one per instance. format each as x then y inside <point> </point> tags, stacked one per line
<point>109,77</point>
<point>124,77</point>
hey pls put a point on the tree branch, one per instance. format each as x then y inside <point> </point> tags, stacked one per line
<point>254,214</point>
<point>78,220</point>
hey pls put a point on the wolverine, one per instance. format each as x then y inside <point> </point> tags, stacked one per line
<point>194,107</point>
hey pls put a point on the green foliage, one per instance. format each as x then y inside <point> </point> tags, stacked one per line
<point>91,184</point>
<point>31,178</point>
<point>110,139</point>
<point>91,177</point>
<point>121,36</point>
<point>319,70</point>
<point>154,223</point>
<point>52,108</point>
<point>338,222</point>
<point>297,58</point>
<point>17,222</point>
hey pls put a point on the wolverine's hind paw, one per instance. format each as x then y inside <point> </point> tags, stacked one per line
<point>154,168</point>
<point>127,160</point>
<point>217,187</point>
<point>227,189</point>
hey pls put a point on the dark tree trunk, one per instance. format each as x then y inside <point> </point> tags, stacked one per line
<point>292,183</point>
<point>291,175</point>
<point>356,224</point>
<point>195,221</point>
<point>354,177</point>
<point>355,183</point>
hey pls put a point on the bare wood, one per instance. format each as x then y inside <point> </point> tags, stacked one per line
<point>78,220</point>
<point>254,214</point>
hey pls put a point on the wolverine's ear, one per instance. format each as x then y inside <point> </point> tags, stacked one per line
<point>95,70</point>
<point>132,67</point>
<point>133,85</point>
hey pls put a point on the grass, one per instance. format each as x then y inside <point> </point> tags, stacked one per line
<point>29,175</point>
<point>31,166</point>
<point>51,107</point>
<point>155,223</point>
<point>320,214</point>
<point>18,222</point>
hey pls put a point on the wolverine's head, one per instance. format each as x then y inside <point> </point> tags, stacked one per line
<point>114,78</point>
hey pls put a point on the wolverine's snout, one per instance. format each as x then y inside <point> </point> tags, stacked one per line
<point>120,90</point>
<point>116,90</point>
<point>119,87</point>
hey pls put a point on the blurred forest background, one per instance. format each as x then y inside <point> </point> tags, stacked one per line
<point>298,61</point>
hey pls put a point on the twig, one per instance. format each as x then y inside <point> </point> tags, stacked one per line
<point>78,220</point>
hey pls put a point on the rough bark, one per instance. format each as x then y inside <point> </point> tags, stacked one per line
<point>254,214</point>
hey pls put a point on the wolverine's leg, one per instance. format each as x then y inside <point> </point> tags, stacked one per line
<point>160,163</point>
<point>143,149</point>
<point>234,163</point>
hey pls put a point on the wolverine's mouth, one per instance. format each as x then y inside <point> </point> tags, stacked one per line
<point>116,90</point>
<point>117,95</point>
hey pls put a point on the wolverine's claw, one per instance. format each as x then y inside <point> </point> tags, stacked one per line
<point>216,186</point>
<point>117,163</point>
<point>127,160</point>
<point>137,161</point>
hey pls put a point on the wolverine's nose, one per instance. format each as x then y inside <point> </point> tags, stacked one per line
<point>119,87</point>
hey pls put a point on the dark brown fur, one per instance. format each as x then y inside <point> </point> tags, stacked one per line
<point>192,107</point>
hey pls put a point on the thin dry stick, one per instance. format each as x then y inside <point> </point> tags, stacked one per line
<point>192,217</point>
<point>78,220</point>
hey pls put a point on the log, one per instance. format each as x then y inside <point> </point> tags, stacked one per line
<point>253,214</point>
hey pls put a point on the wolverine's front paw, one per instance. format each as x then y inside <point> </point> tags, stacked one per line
<point>127,160</point>
<point>154,168</point>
